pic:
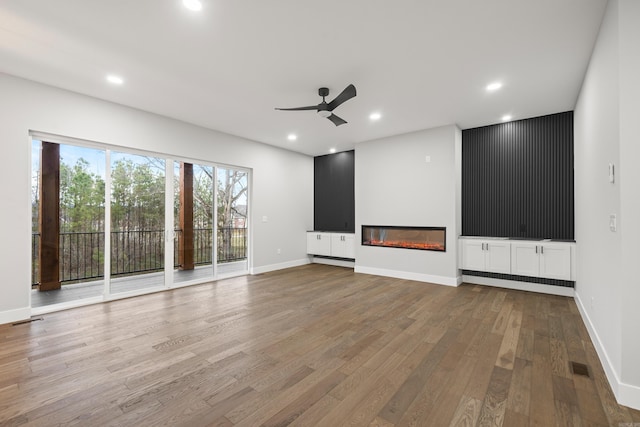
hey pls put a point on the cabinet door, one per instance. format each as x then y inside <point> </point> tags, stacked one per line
<point>342,245</point>
<point>350,243</point>
<point>312,243</point>
<point>555,261</point>
<point>498,257</point>
<point>473,255</point>
<point>525,259</point>
<point>338,246</point>
<point>319,243</point>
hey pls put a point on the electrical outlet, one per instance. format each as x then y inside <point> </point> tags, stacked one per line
<point>279,251</point>
<point>613,226</point>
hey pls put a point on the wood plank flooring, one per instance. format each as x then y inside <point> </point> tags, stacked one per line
<point>308,346</point>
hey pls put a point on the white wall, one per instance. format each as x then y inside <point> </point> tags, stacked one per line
<point>607,285</point>
<point>394,185</point>
<point>282,186</point>
<point>629,48</point>
<point>596,136</point>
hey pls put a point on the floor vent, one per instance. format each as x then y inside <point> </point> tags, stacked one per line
<point>580,369</point>
<point>33,319</point>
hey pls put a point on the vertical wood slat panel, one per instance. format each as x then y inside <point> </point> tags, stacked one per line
<point>517,178</point>
<point>333,189</point>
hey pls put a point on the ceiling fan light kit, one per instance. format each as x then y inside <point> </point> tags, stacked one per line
<point>325,109</point>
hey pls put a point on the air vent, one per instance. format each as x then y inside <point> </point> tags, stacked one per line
<point>580,369</point>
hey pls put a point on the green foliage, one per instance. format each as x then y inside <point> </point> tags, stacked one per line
<point>137,197</point>
<point>81,198</point>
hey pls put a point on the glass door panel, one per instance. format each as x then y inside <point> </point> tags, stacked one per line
<point>72,223</point>
<point>193,223</point>
<point>232,209</point>
<point>137,222</point>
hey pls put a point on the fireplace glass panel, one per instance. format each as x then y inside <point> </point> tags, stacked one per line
<point>421,238</point>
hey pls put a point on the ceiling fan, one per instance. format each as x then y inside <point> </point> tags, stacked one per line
<point>325,109</point>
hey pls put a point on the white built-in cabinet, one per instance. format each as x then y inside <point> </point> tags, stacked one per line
<point>319,243</point>
<point>342,245</point>
<point>542,259</point>
<point>486,255</point>
<point>339,245</point>
<point>546,259</point>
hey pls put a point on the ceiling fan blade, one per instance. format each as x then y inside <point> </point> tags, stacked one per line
<point>311,107</point>
<point>347,94</point>
<point>336,120</point>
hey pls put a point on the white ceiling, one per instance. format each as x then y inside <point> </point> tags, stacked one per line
<point>421,63</point>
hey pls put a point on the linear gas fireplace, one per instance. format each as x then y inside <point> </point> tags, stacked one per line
<point>422,238</point>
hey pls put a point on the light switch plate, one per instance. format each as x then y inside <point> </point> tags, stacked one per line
<point>612,178</point>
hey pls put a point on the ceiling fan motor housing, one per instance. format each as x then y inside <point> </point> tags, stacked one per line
<point>323,91</point>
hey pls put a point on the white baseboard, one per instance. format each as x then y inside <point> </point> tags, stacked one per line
<point>336,262</point>
<point>626,394</point>
<point>629,395</point>
<point>280,266</point>
<point>407,275</point>
<point>520,286</point>
<point>11,316</point>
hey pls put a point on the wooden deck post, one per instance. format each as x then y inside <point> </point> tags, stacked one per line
<point>49,217</point>
<point>185,246</point>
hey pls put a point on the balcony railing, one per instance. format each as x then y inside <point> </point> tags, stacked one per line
<point>135,252</point>
<point>232,245</point>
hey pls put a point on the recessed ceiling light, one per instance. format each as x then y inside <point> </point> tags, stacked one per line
<point>332,150</point>
<point>375,116</point>
<point>116,80</point>
<point>292,137</point>
<point>195,5</point>
<point>506,118</point>
<point>494,86</point>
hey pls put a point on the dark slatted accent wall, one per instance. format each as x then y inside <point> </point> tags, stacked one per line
<point>333,192</point>
<point>517,179</point>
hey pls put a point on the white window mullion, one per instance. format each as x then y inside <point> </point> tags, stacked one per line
<point>107,226</point>
<point>168,225</point>
<point>249,223</point>
<point>214,245</point>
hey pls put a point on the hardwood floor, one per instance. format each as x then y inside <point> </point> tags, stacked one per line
<point>308,346</point>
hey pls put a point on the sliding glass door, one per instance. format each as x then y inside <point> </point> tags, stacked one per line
<point>68,208</point>
<point>194,246</point>
<point>109,223</point>
<point>232,209</point>
<point>137,222</point>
